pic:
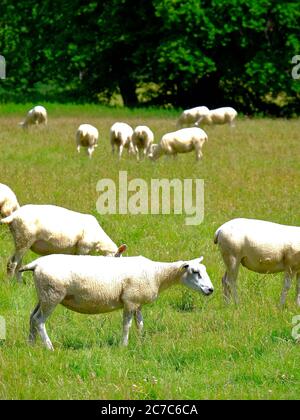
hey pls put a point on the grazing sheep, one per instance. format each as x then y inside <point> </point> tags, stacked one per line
<point>8,201</point>
<point>47,229</point>
<point>142,140</point>
<point>218,116</point>
<point>87,136</point>
<point>191,116</point>
<point>36,116</point>
<point>260,246</point>
<point>180,141</point>
<point>93,285</point>
<point>121,137</point>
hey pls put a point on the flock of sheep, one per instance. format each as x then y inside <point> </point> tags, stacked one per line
<point>140,141</point>
<point>66,274</point>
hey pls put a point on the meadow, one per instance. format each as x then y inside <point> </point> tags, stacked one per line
<point>193,347</point>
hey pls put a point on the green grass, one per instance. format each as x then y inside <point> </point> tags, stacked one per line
<point>193,347</point>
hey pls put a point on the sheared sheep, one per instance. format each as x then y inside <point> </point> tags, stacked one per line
<point>218,116</point>
<point>87,136</point>
<point>121,137</point>
<point>260,246</point>
<point>142,140</point>
<point>93,285</point>
<point>8,201</point>
<point>180,141</point>
<point>47,229</point>
<point>191,116</point>
<point>36,116</point>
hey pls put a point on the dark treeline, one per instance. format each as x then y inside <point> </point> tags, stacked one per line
<point>158,52</point>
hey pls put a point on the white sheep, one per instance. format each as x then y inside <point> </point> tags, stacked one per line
<point>87,136</point>
<point>36,116</point>
<point>218,116</point>
<point>180,141</point>
<point>142,139</point>
<point>191,116</point>
<point>8,201</point>
<point>260,246</point>
<point>121,137</point>
<point>47,229</point>
<point>93,285</point>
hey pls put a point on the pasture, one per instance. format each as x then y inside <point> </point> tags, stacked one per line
<point>193,347</point>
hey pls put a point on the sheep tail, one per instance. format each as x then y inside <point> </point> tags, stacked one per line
<point>29,267</point>
<point>217,236</point>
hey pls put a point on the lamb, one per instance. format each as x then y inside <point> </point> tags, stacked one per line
<point>87,136</point>
<point>191,116</point>
<point>260,246</point>
<point>94,285</point>
<point>218,116</point>
<point>47,229</point>
<point>36,116</point>
<point>121,137</point>
<point>8,201</point>
<point>142,140</point>
<point>180,141</point>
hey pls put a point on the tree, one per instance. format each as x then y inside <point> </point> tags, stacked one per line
<point>212,52</point>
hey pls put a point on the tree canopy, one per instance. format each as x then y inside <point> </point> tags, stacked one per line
<point>179,52</point>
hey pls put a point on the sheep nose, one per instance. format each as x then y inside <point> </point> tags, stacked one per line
<point>210,290</point>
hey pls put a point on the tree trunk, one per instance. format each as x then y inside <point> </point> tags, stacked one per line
<point>128,92</point>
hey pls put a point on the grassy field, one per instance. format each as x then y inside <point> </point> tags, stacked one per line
<point>193,347</point>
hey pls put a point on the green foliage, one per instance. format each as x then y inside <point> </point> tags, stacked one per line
<point>211,52</point>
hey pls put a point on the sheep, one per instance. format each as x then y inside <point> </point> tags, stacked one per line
<point>180,141</point>
<point>218,116</point>
<point>142,140</point>
<point>94,285</point>
<point>47,229</point>
<point>87,136</point>
<point>8,201</point>
<point>121,137</point>
<point>191,116</point>
<point>36,116</point>
<point>260,246</point>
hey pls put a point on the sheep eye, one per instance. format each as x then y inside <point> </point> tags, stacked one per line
<point>197,272</point>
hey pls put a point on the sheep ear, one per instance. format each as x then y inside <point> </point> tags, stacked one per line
<point>201,259</point>
<point>121,249</point>
<point>184,267</point>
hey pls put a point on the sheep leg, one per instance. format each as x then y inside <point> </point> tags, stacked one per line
<point>14,264</point>
<point>120,151</point>
<point>298,290</point>
<point>78,148</point>
<point>230,280</point>
<point>139,321</point>
<point>199,154</point>
<point>38,323</point>
<point>90,152</point>
<point>127,321</point>
<point>33,331</point>
<point>287,283</point>
<point>137,154</point>
<point>226,288</point>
